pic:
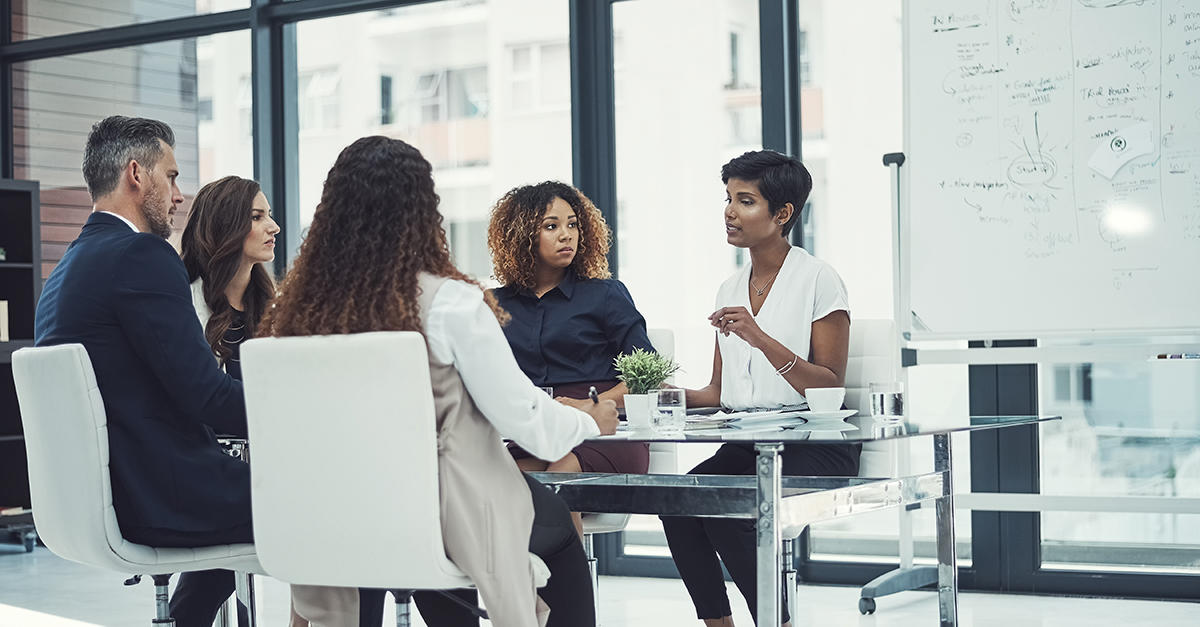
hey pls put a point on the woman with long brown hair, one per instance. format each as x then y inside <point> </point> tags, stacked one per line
<point>570,318</point>
<point>229,239</point>
<point>376,259</point>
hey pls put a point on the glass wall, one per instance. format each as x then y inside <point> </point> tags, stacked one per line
<point>41,18</point>
<point>1129,429</point>
<point>56,101</point>
<point>687,100</point>
<point>483,89</point>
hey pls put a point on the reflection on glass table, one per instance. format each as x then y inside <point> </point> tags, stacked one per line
<point>783,506</point>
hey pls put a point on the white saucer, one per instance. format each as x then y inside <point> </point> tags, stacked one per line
<point>828,415</point>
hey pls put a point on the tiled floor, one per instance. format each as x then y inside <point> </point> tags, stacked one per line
<point>41,590</point>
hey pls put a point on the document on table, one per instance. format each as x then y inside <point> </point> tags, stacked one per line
<point>746,419</point>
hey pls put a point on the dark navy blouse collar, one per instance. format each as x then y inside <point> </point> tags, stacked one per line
<point>566,287</point>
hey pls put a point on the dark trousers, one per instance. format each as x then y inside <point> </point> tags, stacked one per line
<point>569,592</point>
<point>198,595</point>
<point>699,545</point>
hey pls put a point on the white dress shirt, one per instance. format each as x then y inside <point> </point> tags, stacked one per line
<point>461,329</point>
<point>123,219</point>
<point>805,290</point>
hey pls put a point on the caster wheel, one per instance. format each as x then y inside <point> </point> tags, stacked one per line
<point>866,606</point>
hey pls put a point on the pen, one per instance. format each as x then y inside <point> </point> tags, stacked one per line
<point>1179,356</point>
<point>592,395</point>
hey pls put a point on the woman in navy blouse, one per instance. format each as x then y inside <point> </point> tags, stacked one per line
<point>569,319</point>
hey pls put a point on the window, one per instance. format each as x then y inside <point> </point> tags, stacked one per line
<point>734,73</point>
<point>56,101</point>
<point>40,18</point>
<point>245,104</point>
<point>318,99</point>
<point>1129,429</point>
<point>386,113</point>
<point>806,77</point>
<point>534,77</point>
<point>673,109</point>
<point>434,65</point>
<point>204,110</point>
<point>452,94</point>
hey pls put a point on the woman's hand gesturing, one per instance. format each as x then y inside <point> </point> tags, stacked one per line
<point>738,321</point>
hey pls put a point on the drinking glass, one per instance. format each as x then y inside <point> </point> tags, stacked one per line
<point>887,399</point>
<point>670,411</point>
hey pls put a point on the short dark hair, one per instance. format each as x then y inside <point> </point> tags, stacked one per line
<point>780,178</point>
<point>114,142</point>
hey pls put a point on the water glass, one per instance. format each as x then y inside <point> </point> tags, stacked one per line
<point>887,399</point>
<point>670,413</point>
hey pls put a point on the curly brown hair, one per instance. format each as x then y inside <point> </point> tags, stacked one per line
<point>377,226</point>
<point>212,251</point>
<point>517,220</point>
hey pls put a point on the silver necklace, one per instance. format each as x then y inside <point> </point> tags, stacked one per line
<point>765,285</point>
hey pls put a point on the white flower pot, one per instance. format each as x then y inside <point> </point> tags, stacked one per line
<point>638,409</point>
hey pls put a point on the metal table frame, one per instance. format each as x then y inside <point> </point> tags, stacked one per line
<point>778,503</point>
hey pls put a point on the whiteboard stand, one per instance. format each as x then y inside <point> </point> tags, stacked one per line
<point>907,576</point>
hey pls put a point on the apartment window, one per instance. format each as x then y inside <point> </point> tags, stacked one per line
<point>805,59</point>
<point>534,79</point>
<point>734,74</point>
<point>204,110</point>
<point>319,108</point>
<point>386,114</point>
<point>452,94</point>
<point>245,104</point>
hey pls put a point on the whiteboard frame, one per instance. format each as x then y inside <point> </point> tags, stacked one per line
<point>903,231</point>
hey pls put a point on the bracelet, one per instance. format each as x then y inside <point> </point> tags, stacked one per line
<point>788,367</point>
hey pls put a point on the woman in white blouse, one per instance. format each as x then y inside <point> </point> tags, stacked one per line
<point>783,326</point>
<point>376,259</point>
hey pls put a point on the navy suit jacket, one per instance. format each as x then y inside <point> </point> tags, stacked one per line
<point>125,297</point>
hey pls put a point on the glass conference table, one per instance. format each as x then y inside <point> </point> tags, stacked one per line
<point>786,505</point>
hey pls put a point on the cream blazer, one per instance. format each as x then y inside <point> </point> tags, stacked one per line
<point>486,509</point>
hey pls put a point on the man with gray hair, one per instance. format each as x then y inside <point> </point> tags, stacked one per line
<point>122,291</point>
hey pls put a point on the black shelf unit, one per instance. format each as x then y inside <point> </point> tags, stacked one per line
<point>20,285</point>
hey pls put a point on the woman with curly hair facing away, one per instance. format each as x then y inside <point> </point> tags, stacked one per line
<point>376,259</point>
<point>229,237</point>
<point>549,248</point>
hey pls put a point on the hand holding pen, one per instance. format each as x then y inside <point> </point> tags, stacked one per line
<point>603,412</point>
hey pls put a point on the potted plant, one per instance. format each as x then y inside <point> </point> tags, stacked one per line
<point>642,371</point>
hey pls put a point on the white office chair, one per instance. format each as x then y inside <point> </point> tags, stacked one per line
<point>66,438</point>
<point>663,461</point>
<point>873,358</point>
<point>329,417</point>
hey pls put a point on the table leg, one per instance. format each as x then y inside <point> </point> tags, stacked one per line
<point>947,560</point>
<point>768,533</point>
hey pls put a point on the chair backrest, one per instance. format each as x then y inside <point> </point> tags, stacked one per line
<point>873,358</point>
<point>66,441</point>
<point>343,461</point>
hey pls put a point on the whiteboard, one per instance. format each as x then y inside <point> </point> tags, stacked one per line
<point>1052,180</point>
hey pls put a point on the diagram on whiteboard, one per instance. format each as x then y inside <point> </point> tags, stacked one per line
<point>1053,165</point>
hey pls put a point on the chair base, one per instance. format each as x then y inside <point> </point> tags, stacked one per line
<point>404,610</point>
<point>891,582</point>
<point>244,592</point>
